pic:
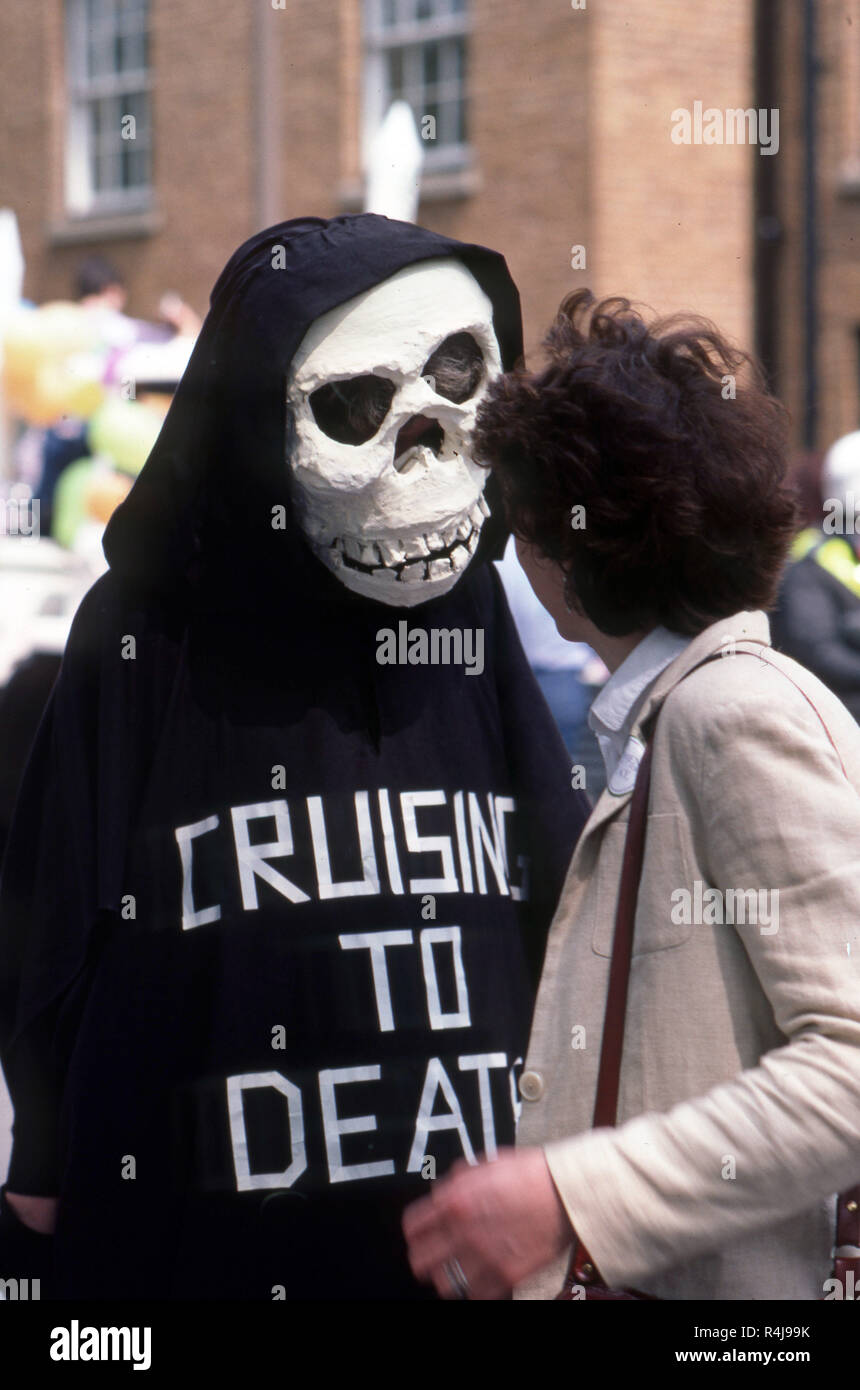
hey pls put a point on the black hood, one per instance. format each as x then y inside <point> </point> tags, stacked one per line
<point>201,511</point>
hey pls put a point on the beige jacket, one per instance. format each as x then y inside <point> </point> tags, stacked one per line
<point>739,1112</point>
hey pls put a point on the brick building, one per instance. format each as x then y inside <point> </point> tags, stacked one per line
<point>552,129</point>
<point>813,259</point>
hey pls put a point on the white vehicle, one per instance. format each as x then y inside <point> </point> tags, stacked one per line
<point>41,586</point>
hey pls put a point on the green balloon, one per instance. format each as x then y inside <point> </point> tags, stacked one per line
<point>125,431</point>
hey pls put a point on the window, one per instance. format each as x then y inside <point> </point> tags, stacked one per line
<point>417,50</point>
<point>108,129</point>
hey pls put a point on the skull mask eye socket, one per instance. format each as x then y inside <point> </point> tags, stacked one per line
<point>456,367</point>
<point>352,411</point>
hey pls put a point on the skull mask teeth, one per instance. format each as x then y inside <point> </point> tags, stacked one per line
<point>383,392</point>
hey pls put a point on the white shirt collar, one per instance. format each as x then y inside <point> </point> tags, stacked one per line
<point>613,712</point>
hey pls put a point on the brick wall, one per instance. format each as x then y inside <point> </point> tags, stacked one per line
<point>672,223</point>
<point>570,115</point>
<point>839,222</point>
<point>202,140</point>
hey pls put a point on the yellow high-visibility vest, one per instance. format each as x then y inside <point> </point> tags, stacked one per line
<point>833,553</point>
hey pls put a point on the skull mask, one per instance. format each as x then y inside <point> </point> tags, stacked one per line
<point>383,393</point>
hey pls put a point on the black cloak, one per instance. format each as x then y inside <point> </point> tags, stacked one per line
<point>271,912</point>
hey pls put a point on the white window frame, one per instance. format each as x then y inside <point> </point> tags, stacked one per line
<point>81,197</point>
<point>379,38</point>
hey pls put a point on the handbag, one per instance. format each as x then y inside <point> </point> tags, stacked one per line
<point>583,1277</point>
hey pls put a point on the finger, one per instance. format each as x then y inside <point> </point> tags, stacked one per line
<point>418,1217</point>
<point>427,1255</point>
<point>484,1284</point>
<point>446,1287</point>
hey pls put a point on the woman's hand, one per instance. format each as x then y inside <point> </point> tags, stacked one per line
<point>494,1224</point>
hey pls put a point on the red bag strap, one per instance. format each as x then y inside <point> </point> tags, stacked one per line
<point>609,1072</point>
<point>581,1269</point>
<point>612,1042</point>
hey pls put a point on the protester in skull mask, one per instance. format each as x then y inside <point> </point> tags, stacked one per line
<point>277,875</point>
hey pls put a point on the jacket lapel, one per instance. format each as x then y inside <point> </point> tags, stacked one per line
<point>721,636</point>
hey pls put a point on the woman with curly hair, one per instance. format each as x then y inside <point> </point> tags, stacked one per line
<point>643,470</point>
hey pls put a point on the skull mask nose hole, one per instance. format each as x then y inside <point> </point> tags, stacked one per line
<point>418,432</point>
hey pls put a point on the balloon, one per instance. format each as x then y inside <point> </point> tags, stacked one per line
<point>104,494</point>
<point>70,501</point>
<point>87,491</point>
<point>124,431</point>
<point>52,363</point>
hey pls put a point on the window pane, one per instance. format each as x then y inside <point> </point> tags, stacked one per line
<point>131,53</point>
<point>107,172</point>
<point>135,168</point>
<point>137,104</point>
<point>100,56</point>
<point>431,64</point>
<point>101,12</point>
<point>424,9</point>
<point>389,13</point>
<point>107,122</point>
<point>452,123</point>
<point>395,73</point>
<point>91,118</point>
<point>457,59</point>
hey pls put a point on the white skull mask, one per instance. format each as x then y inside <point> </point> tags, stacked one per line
<point>383,392</point>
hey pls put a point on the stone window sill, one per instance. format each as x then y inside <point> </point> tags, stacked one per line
<point>104,226</point>
<point>437,186</point>
<point>848,185</point>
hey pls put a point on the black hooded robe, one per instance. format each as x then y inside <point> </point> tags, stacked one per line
<point>271,912</point>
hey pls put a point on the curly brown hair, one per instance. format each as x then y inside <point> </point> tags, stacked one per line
<point>667,436</point>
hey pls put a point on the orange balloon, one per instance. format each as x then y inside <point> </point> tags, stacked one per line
<point>104,495</point>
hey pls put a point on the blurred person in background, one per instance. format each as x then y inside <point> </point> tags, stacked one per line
<point>569,673</point>
<point>817,620</point>
<point>100,291</point>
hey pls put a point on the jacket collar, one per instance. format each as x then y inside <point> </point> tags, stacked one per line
<point>616,702</point>
<point>741,627</point>
<point>719,637</point>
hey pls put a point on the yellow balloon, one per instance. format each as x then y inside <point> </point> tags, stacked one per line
<point>59,391</point>
<point>52,363</point>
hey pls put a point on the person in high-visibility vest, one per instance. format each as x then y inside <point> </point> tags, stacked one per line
<point>818,618</point>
